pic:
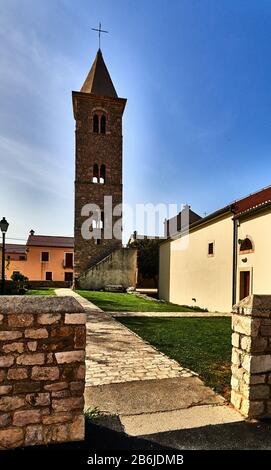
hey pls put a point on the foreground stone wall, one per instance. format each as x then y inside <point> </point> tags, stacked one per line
<point>251,356</point>
<point>119,268</point>
<point>42,370</point>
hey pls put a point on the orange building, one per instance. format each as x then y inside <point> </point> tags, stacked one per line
<point>43,258</point>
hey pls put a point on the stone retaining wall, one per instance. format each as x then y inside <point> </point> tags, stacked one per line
<point>42,370</point>
<point>251,356</point>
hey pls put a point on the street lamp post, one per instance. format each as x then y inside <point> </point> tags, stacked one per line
<point>4,227</point>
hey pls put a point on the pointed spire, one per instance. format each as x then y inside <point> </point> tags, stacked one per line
<point>98,81</point>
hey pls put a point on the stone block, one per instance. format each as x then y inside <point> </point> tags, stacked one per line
<point>11,403</point>
<point>235,340</point>
<point>49,318</point>
<point>75,319</point>
<point>26,387</point>
<point>258,392</point>
<point>236,399</point>
<point>260,363</point>
<point>38,399</point>
<point>20,320</point>
<point>32,346</point>
<point>37,333</point>
<point>19,373</point>
<point>234,383</point>
<point>68,404</point>
<point>246,325</point>
<point>5,420</point>
<point>80,337</point>
<point>81,372</point>
<point>6,361</point>
<point>11,437</point>
<point>236,357</point>
<point>57,418</point>
<point>34,435</point>
<point>77,428</point>
<point>56,386</point>
<point>5,389</point>
<point>45,373</point>
<point>246,343</point>
<point>56,433</point>
<point>10,335</point>
<point>13,347</point>
<point>70,356</point>
<point>28,359</point>
<point>22,418</point>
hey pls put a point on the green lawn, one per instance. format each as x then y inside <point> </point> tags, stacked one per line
<point>201,344</point>
<point>49,291</point>
<point>115,302</point>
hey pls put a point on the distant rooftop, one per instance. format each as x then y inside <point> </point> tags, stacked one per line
<point>48,240</point>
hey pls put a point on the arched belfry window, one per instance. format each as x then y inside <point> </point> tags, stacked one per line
<point>95,175</point>
<point>102,174</point>
<point>96,124</point>
<point>103,124</point>
<point>246,245</point>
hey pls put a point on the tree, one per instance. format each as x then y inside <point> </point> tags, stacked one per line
<point>147,257</point>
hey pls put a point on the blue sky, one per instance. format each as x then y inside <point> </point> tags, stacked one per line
<point>197,126</point>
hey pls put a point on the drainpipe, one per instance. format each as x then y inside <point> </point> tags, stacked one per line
<point>234,260</point>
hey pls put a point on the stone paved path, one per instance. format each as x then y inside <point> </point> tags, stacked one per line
<point>115,354</point>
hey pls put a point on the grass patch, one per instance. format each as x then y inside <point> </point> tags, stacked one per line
<point>200,344</point>
<point>117,302</point>
<point>45,291</point>
<point>93,413</point>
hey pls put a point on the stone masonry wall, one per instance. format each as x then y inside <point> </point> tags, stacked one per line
<point>42,370</point>
<point>119,268</point>
<point>251,356</point>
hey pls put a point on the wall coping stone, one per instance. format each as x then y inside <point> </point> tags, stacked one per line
<point>254,305</point>
<point>39,304</point>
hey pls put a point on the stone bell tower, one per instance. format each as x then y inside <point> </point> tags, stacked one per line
<point>98,164</point>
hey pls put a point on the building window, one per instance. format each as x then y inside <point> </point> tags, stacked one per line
<point>68,277</point>
<point>102,174</point>
<point>48,276</point>
<point>45,256</point>
<point>103,124</point>
<point>68,261</point>
<point>22,257</point>
<point>95,174</point>
<point>246,245</point>
<point>96,124</point>
<point>211,249</point>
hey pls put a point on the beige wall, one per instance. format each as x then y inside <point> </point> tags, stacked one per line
<point>258,229</point>
<point>164,271</point>
<point>194,274</point>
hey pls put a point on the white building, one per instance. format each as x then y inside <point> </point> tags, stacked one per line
<point>222,258</point>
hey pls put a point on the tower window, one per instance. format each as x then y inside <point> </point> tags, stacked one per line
<point>211,249</point>
<point>96,124</point>
<point>246,245</point>
<point>102,174</point>
<point>103,124</point>
<point>95,175</point>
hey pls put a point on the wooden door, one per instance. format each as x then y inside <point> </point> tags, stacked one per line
<point>244,284</point>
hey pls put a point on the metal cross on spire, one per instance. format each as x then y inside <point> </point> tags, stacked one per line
<point>99,30</point>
